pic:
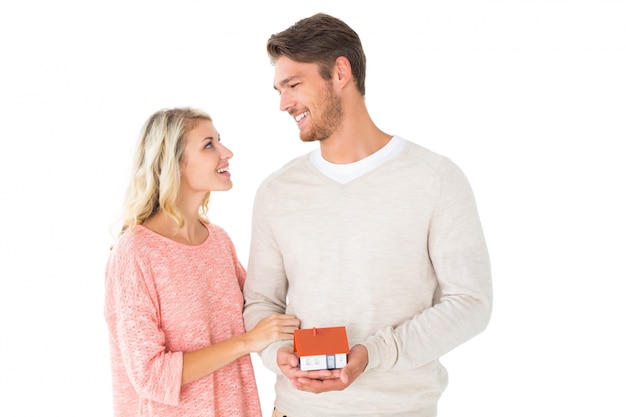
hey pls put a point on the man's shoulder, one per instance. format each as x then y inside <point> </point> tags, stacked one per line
<point>433,164</point>
<point>286,172</point>
<point>425,156</point>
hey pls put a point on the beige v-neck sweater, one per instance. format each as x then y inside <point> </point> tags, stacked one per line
<point>396,255</point>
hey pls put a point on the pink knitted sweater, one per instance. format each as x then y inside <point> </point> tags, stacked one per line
<point>164,298</point>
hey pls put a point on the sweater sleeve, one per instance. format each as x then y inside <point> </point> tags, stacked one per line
<point>265,290</point>
<point>462,307</point>
<point>133,317</point>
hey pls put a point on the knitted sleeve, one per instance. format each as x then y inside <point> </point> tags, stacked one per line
<point>133,319</point>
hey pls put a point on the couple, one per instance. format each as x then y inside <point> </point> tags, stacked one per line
<point>370,231</point>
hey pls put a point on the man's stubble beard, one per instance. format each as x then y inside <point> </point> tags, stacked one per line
<point>330,118</point>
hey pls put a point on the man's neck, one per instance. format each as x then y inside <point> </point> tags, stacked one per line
<point>344,148</point>
<point>357,137</point>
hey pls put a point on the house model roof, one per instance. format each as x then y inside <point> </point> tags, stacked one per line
<point>320,341</point>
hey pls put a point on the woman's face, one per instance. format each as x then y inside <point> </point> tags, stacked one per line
<point>204,166</point>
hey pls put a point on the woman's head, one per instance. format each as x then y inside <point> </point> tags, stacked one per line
<point>156,171</point>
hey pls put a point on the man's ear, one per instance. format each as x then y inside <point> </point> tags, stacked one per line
<point>343,70</point>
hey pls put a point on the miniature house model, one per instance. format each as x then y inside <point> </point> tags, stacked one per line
<point>321,348</point>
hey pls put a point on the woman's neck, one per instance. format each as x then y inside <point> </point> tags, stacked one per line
<point>193,232</point>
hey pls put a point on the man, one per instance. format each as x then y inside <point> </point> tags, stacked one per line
<point>371,232</point>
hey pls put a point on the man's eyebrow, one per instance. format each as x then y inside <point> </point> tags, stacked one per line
<point>285,81</point>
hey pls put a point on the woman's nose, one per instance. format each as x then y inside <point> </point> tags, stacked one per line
<point>226,153</point>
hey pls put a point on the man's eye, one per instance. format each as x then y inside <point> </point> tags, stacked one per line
<point>294,85</point>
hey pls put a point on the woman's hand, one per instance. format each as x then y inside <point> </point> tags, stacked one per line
<point>271,329</point>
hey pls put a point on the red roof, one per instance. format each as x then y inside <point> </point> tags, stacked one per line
<point>320,341</point>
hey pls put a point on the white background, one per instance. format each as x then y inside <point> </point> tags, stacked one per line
<point>528,97</point>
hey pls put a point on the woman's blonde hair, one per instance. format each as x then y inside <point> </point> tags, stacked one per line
<point>155,174</point>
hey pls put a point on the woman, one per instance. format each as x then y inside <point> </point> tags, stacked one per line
<point>174,302</point>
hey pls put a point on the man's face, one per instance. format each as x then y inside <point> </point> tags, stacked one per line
<point>308,98</point>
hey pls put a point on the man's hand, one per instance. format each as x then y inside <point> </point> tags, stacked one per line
<point>288,363</point>
<point>324,380</point>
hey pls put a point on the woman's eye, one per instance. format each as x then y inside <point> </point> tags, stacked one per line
<point>209,144</point>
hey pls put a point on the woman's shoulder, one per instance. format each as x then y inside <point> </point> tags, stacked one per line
<point>131,241</point>
<point>217,231</point>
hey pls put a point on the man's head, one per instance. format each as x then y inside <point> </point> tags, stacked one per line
<point>320,39</point>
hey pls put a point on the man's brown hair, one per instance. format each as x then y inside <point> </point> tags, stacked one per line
<point>320,39</point>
